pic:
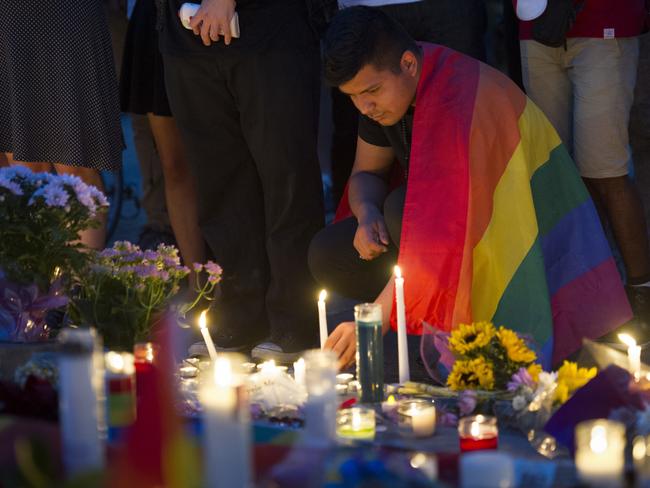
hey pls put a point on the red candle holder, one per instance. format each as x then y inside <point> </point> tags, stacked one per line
<point>478,432</point>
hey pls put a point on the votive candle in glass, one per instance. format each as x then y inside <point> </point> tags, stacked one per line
<point>120,388</point>
<point>419,415</point>
<point>478,432</point>
<point>321,404</point>
<point>600,446</point>
<point>370,352</point>
<point>356,423</point>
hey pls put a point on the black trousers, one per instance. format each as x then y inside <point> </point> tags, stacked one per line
<point>248,116</point>
<point>458,24</point>
<point>336,265</point>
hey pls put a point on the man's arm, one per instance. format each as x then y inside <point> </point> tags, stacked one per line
<point>367,192</point>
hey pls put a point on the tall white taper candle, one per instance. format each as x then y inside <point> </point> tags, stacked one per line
<point>207,338</point>
<point>322,318</point>
<point>402,345</point>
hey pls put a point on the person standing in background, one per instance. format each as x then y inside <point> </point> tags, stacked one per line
<point>59,108</point>
<point>586,89</point>
<point>247,110</point>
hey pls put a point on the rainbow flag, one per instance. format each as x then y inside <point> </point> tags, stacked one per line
<point>497,223</point>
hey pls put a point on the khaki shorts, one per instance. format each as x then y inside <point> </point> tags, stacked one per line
<point>586,92</point>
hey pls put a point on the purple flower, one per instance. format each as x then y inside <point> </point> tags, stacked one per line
<point>448,419</point>
<point>145,270</point>
<point>12,186</point>
<point>109,252</point>
<point>171,261</point>
<point>53,193</point>
<point>197,267</point>
<point>519,379</point>
<point>466,402</point>
<point>213,268</point>
<point>150,255</point>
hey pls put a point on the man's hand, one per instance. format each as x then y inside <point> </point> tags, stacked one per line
<point>212,19</point>
<point>371,239</point>
<point>343,341</point>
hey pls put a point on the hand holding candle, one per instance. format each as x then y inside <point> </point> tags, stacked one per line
<point>206,337</point>
<point>402,345</point>
<point>322,318</point>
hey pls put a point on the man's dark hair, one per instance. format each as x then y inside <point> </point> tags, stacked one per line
<point>363,35</point>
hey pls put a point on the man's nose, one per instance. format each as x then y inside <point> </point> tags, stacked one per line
<point>365,106</point>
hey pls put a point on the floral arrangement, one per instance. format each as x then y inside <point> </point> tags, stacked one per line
<point>41,215</point>
<point>125,288</point>
<point>486,358</point>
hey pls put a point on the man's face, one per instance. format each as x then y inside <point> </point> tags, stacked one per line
<point>382,95</point>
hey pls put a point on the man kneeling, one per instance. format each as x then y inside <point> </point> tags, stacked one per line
<point>461,180</point>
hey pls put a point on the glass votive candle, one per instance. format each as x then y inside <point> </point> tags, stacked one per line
<point>478,432</point>
<point>600,446</point>
<point>418,415</point>
<point>356,423</point>
<point>120,388</point>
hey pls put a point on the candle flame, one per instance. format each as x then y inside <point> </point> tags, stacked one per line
<point>627,339</point>
<point>323,296</point>
<point>356,419</point>
<point>114,361</point>
<point>474,429</point>
<point>202,319</point>
<point>398,272</point>
<point>391,400</point>
<point>598,441</point>
<point>268,366</point>
<point>222,372</point>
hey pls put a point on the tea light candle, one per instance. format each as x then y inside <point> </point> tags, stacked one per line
<point>390,405</point>
<point>270,368</point>
<point>478,432</point>
<point>344,378</point>
<point>633,355</point>
<point>120,388</point>
<point>299,371</point>
<point>226,420</point>
<point>600,446</point>
<point>420,415</point>
<point>207,338</point>
<point>356,423</point>
<point>322,318</point>
<point>341,389</point>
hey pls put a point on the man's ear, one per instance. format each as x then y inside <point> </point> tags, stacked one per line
<point>409,63</point>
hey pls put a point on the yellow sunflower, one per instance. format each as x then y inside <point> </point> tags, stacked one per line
<point>569,378</point>
<point>468,337</point>
<point>534,370</point>
<point>515,347</point>
<point>471,374</point>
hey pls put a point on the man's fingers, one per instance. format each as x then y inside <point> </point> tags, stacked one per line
<point>333,338</point>
<point>205,33</point>
<point>382,234</point>
<point>225,32</point>
<point>214,32</point>
<point>348,355</point>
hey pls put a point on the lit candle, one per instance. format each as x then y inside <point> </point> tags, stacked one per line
<point>633,355</point>
<point>226,417</point>
<point>120,389</point>
<point>600,446</point>
<point>402,345</point>
<point>419,415</point>
<point>299,371</point>
<point>322,318</point>
<point>389,406</point>
<point>478,432</point>
<point>206,337</point>
<point>356,423</point>
<point>321,404</point>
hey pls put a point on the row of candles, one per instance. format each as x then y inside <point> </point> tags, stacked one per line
<point>402,345</point>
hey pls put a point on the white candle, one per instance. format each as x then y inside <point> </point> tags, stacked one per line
<point>206,337</point>
<point>600,446</point>
<point>402,345</point>
<point>299,371</point>
<point>633,355</point>
<point>226,417</point>
<point>420,416</point>
<point>320,407</point>
<point>322,318</point>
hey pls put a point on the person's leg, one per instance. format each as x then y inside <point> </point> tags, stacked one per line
<point>230,206</point>
<point>278,95</point>
<point>180,190</point>
<point>158,227</point>
<point>93,238</point>
<point>548,85</point>
<point>604,75</point>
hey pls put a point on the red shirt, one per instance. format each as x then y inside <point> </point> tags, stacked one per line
<point>603,19</point>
